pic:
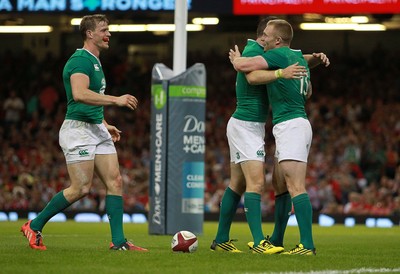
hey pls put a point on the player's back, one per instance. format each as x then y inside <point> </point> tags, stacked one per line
<point>252,100</point>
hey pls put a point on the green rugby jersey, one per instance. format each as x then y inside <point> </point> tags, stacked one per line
<point>84,62</point>
<point>252,100</point>
<point>287,97</point>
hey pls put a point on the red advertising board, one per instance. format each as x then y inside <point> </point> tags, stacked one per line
<point>248,7</point>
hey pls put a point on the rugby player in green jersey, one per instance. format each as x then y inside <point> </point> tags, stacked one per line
<point>86,139</point>
<point>291,128</point>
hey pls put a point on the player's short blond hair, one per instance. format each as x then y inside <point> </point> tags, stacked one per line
<point>282,29</point>
<point>89,22</point>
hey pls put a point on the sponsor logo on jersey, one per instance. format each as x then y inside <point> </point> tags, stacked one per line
<point>260,153</point>
<point>83,152</point>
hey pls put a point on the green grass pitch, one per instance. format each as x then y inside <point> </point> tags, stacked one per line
<point>83,248</point>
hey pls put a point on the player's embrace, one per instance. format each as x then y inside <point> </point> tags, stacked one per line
<point>291,129</point>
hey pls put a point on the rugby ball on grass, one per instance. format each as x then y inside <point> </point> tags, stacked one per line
<point>184,241</point>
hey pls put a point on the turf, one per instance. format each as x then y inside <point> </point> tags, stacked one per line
<point>83,248</point>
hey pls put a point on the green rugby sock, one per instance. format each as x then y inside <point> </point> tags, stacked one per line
<point>115,211</point>
<point>57,204</point>
<point>252,208</point>
<point>303,210</point>
<point>283,207</point>
<point>227,212</point>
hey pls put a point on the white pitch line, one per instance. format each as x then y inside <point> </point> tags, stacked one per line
<point>349,271</point>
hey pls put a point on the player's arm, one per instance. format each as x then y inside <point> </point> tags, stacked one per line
<point>81,93</point>
<point>316,59</point>
<point>309,90</point>
<point>246,64</point>
<point>115,132</point>
<point>259,77</point>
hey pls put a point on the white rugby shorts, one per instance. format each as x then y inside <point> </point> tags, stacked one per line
<point>81,141</point>
<point>293,139</point>
<point>246,140</point>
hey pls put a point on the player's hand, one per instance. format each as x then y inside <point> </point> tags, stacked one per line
<point>233,54</point>
<point>127,100</point>
<point>323,58</point>
<point>294,71</point>
<point>115,133</point>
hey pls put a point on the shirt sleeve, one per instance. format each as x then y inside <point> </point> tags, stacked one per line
<point>80,65</point>
<point>274,59</point>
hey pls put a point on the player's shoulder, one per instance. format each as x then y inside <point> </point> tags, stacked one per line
<point>252,48</point>
<point>82,56</point>
<point>82,53</point>
<point>296,51</point>
<point>251,42</point>
<point>284,51</point>
<point>81,61</point>
<point>79,53</point>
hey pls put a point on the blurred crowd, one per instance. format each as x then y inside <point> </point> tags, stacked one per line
<point>353,165</point>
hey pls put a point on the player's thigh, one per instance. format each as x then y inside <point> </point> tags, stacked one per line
<point>81,174</point>
<point>254,174</point>
<point>237,182</point>
<point>107,168</point>
<point>278,179</point>
<point>295,175</point>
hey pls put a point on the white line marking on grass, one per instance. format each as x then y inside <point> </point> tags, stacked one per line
<point>350,271</point>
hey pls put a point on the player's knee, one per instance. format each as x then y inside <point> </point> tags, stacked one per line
<point>84,191</point>
<point>279,189</point>
<point>238,186</point>
<point>295,190</point>
<point>118,181</point>
<point>115,185</point>
<point>77,190</point>
<point>255,187</point>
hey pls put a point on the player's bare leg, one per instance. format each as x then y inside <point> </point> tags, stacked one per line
<point>295,175</point>
<point>229,203</point>
<point>107,168</point>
